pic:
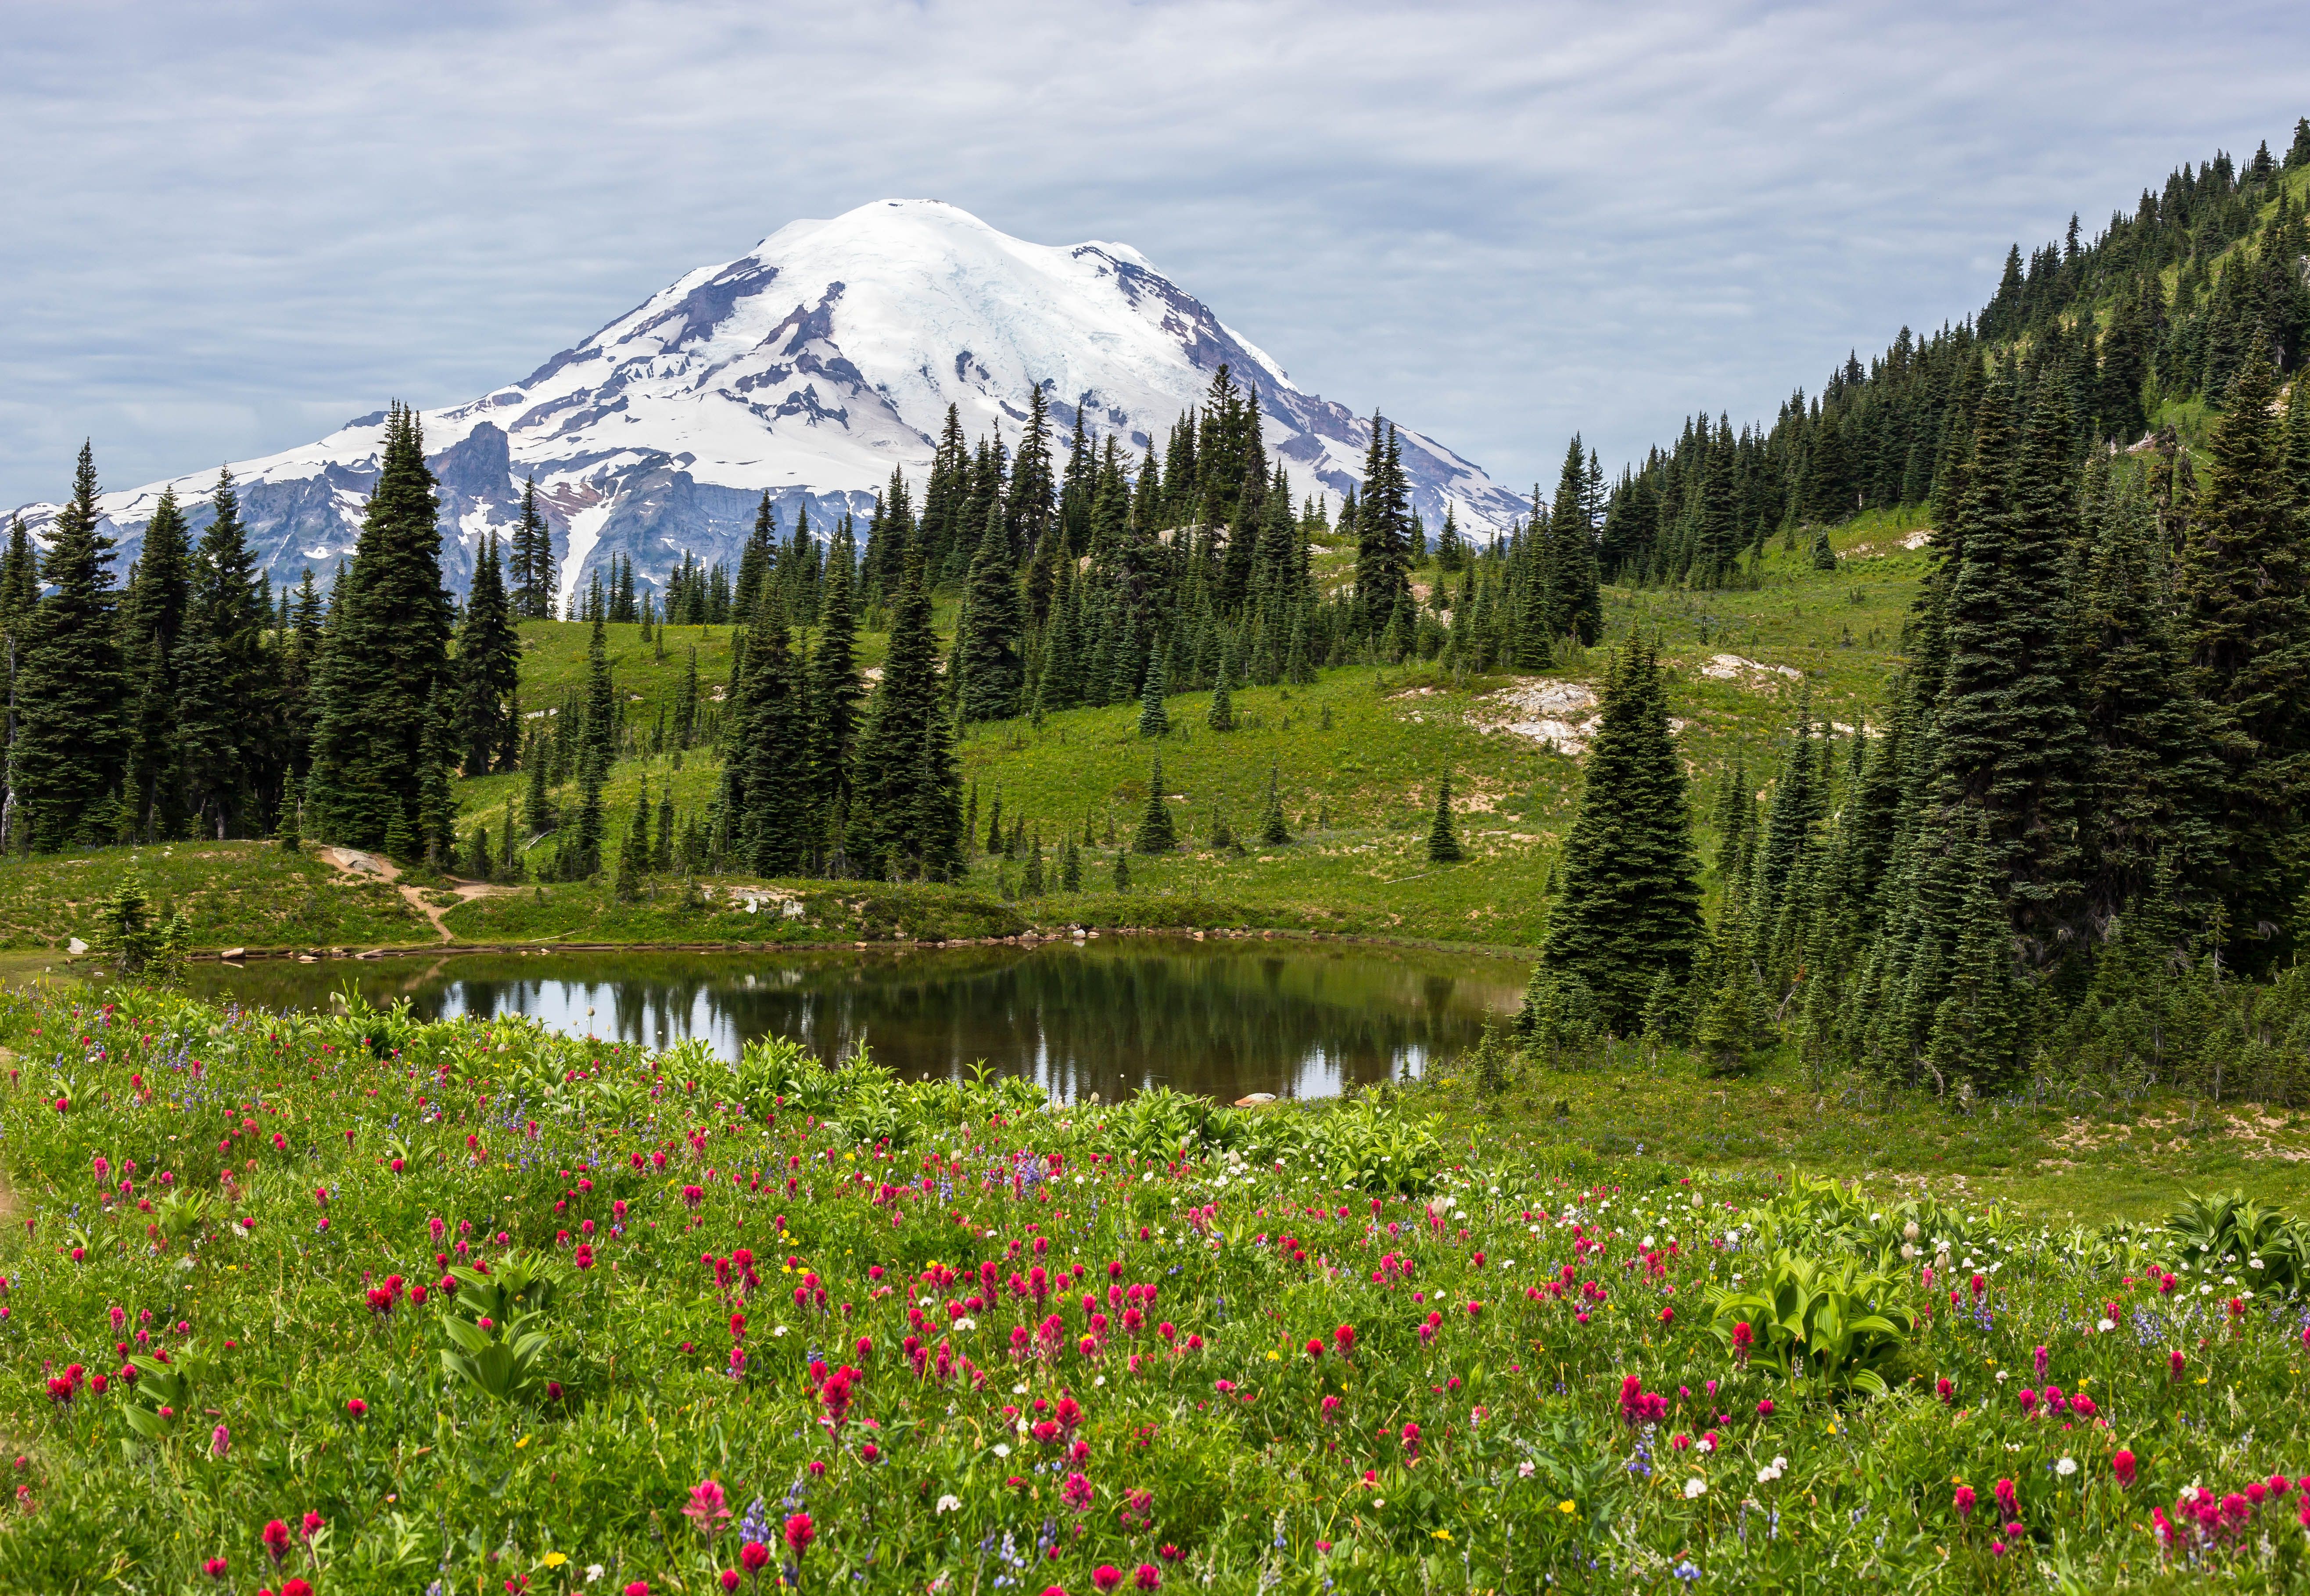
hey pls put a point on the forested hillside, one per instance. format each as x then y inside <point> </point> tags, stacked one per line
<point>2010,763</point>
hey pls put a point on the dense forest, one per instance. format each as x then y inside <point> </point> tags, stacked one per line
<point>2079,813</point>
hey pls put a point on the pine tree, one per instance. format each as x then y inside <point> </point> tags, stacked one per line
<point>755,562</point>
<point>1070,867</point>
<point>1122,871</point>
<point>2245,584</point>
<point>582,854</point>
<point>1736,1023</point>
<point>1154,721</point>
<point>488,665</point>
<point>771,716</point>
<point>1272,831</point>
<point>1382,531</point>
<point>153,613</point>
<point>533,560</point>
<point>1443,846</point>
<point>2009,743</point>
<point>907,813</point>
<point>1578,604</point>
<point>1156,834</point>
<point>387,647</point>
<point>69,750</point>
<point>634,853</point>
<point>1630,903</point>
<point>230,728</point>
<point>987,643</point>
<point>1220,716</point>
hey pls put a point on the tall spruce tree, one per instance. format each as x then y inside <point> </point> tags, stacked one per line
<point>232,733</point>
<point>988,642</point>
<point>66,760</point>
<point>906,816</point>
<point>1442,844</point>
<point>2245,584</point>
<point>533,560</point>
<point>834,693</point>
<point>1156,833</point>
<point>489,668</point>
<point>153,613</point>
<point>1629,906</point>
<point>388,648</point>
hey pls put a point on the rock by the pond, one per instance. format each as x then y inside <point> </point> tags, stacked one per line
<point>75,947</point>
<point>1254,1099</point>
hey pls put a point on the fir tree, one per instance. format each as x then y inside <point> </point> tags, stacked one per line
<point>1443,845</point>
<point>533,560</point>
<point>68,751</point>
<point>488,666</point>
<point>776,821</point>
<point>634,853</point>
<point>1630,903</point>
<point>388,649</point>
<point>228,677</point>
<point>1156,834</point>
<point>987,643</point>
<point>907,813</point>
<point>1070,867</point>
<point>1272,831</point>
<point>2245,583</point>
<point>1220,716</point>
<point>582,854</point>
<point>1122,871</point>
<point>1153,720</point>
<point>152,638</point>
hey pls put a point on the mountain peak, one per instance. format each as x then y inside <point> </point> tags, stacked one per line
<point>809,368</point>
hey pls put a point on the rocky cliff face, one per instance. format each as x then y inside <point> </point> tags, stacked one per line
<point>808,369</point>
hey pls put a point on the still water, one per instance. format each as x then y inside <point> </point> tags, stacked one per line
<point>1110,1015</point>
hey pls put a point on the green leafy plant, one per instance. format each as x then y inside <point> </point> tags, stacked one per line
<point>1845,1322</point>
<point>496,1327</point>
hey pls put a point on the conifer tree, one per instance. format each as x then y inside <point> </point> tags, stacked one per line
<point>67,757</point>
<point>834,686</point>
<point>986,642</point>
<point>533,560</point>
<point>755,562</point>
<point>2245,584</point>
<point>1154,721</point>
<point>633,853</point>
<point>1630,901</point>
<point>1272,831</point>
<point>151,646</point>
<point>1122,871</point>
<point>582,854</point>
<point>1736,1023</point>
<point>388,646</point>
<point>1156,834</point>
<point>2009,743</point>
<point>228,678</point>
<point>1443,845</point>
<point>907,814</point>
<point>776,821</point>
<point>1070,867</point>
<point>488,666</point>
<point>1220,716</point>
<point>1579,605</point>
<point>1382,531</point>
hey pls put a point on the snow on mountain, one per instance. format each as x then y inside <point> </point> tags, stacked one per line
<point>808,368</point>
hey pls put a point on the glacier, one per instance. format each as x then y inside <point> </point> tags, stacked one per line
<point>808,368</point>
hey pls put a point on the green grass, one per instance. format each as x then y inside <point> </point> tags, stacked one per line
<point>230,893</point>
<point>866,911</point>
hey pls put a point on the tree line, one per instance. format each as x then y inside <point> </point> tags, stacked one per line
<point>2079,845</point>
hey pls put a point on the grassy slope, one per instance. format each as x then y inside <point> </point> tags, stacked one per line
<point>1370,770</point>
<point>233,892</point>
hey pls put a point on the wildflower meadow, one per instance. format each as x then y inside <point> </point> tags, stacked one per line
<point>350,1303</point>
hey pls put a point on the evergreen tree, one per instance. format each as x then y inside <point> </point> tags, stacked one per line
<point>1443,846</point>
<point>582,854</point>
<point>1630,903</point>
<point>1272,831</point>
<point>488,665</point>
<point>68,753</point>
<point>772,718</point>
<point>1577,602</point>
<point>2010,746</point>
<point>1122,871</point>
<point>2245,584</point>
<point>1154,721</point>
<point>908,815</point>
<point>151,647</point>
<point>987,639</point>
<point>1156,834</point>
<point>230,708</point>
<point>633,853</point>
<point>1382,531</point>
<point>755,562</point>
<point>834,693</point>
<point>1220,716</point>
<point>388,649</point>
<point>533,560</point>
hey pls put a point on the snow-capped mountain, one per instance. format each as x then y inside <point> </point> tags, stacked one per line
<point>808,367</point>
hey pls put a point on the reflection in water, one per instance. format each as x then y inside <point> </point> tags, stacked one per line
<point>1110,1015</point>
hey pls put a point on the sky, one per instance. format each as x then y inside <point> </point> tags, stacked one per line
<point>231,227</point>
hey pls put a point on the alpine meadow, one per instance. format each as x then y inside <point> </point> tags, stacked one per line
<point>1897,809</point>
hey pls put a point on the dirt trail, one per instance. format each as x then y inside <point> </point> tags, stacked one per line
<point>354,862</point>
